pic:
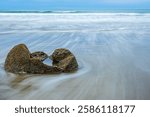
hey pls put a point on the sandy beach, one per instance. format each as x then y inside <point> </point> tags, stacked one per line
<point>112,49</point>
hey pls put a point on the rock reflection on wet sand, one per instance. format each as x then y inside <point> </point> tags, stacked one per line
<point>112,51</point>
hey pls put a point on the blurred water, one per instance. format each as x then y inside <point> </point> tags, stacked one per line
<point>112,50</point>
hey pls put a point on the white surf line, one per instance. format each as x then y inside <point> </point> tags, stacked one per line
<point>70,30</point>
<point>71,14</point>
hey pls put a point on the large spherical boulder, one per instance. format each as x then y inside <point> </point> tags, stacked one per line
<point>65,60</point>
<point>18,59</point>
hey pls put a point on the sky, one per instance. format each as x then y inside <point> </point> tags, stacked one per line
<point>73,4</point>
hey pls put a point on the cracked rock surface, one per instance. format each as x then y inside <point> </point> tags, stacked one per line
<point>65,60</point>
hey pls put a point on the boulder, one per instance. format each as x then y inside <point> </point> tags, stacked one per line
<point>19,60</point>
<point>65,60</point>
<point>39,55</point>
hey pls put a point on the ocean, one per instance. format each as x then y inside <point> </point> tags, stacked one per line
<point>81,11</point>
<point>112,49</point>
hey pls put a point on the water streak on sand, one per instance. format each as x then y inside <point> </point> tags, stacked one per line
<point>112,50</point>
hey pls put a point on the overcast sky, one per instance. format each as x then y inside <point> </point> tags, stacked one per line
<point>73,4</point>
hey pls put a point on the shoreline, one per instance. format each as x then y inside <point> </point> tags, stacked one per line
<point>112,50</point>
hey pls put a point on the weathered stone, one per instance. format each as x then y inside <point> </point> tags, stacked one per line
<point>60,54</point>
<point>18,61</point>
<point>37,67</point>
<point>39,55</point>
<point>68,64</point>
<point>65,60</point>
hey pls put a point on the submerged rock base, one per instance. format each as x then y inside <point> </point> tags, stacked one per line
<point>20,60</point>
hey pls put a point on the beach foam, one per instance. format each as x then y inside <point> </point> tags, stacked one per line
<point>112,50</point>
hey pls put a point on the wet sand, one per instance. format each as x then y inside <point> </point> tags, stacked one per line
<point>112,49</point>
